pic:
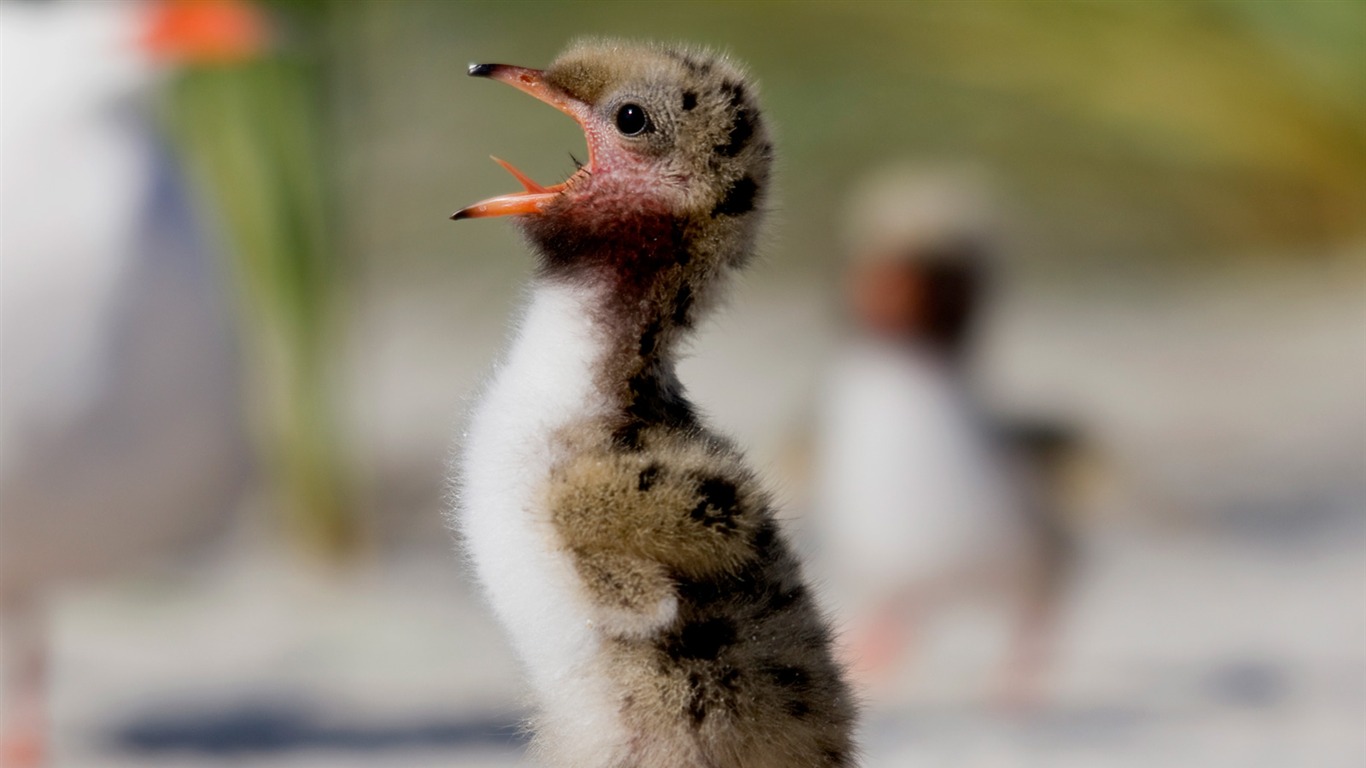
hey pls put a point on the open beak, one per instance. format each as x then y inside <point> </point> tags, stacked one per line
<point>534,197</point>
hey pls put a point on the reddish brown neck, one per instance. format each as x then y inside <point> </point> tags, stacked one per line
<point>647,274</point>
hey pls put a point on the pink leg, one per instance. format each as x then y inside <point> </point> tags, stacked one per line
<point>23,721</point>
<point>877,646</point>
<point>1031,645</point>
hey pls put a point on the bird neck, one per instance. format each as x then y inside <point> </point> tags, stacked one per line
<point>644,273</point>
<point>641,296</point>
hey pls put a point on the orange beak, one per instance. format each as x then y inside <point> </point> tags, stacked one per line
<point>534,197</point>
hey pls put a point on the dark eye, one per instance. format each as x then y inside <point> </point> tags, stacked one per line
<point>632,120</point>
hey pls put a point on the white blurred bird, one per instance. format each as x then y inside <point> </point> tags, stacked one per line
<point>120,431</point>
<point>920,502</point>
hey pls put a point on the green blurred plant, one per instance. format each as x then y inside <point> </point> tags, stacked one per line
<point>252,130</point>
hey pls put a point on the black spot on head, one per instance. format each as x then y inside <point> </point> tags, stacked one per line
<point>741,129</point>
<point>682,305</point>
<point>701,639</point>
<point>735,91</point>
<point>689,100</point>
<point>739,199</point>
<point>649,339</point>
<point>717,505</point>
<point>646,479</point>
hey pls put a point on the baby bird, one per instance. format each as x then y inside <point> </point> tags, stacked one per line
<point>927,500</point>
<point>630,552</point>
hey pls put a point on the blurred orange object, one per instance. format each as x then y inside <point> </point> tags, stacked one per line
<point>206,31</point>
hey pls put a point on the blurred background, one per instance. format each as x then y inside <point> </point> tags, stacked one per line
<point>239,337</point>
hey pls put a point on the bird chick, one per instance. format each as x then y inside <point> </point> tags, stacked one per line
<point>927,500</point>
<point>630,552</point>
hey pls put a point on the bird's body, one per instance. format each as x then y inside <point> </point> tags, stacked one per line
<point>928,505</point>
<point>121,437</point>
<point>917,491</point>
<point>926,501</point>
<point>626,547</point>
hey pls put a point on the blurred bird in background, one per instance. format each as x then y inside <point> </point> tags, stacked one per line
<point>924,499</point>
<point>121,430</point>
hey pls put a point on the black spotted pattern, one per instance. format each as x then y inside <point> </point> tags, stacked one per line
<point>741,130</point>
<point>689,101</point>
<point>734,638</point>
<point>742,124</point>
<point>718,505</point>
<point>739,199</point>
<point>734,91</point>
<point>703,639</point>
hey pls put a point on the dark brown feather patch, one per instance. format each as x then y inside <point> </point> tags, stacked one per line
<point>739,199</point>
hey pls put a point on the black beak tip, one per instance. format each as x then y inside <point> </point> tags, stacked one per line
<point>482,70</point>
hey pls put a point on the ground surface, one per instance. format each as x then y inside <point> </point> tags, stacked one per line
<point>1217,618</point>
<point>1176,652</point>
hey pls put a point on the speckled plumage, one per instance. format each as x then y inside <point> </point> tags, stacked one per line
<point>634,557</point>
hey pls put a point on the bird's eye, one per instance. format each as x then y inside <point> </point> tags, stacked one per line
<point>632,120</point>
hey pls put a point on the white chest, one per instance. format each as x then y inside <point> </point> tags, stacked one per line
<point>545,382</point>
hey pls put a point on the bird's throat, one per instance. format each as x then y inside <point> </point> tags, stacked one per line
<point>645,277</point>
<point>637,320</point>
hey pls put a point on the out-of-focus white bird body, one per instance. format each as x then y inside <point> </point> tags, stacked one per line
<point>912,488</point>
<point>119,422</point>
<point>923,498</point>
<point>74,177</point>
<point>121,431</point>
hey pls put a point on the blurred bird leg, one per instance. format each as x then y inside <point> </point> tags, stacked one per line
<point>1032,640</point>
<point>877,646</point>
<point>23,720</point>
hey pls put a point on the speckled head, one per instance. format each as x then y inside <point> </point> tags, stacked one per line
<point>678,160</point>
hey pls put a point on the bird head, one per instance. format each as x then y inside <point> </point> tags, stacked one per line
<point>678,158</point>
